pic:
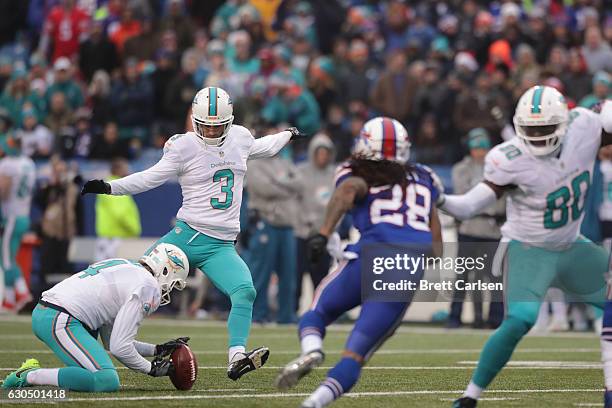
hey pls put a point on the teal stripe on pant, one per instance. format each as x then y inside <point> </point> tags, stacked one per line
<point>219,260</point>
<point>90,368</point>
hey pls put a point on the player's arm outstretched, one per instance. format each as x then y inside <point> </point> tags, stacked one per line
<point>268,146</point>
<point>341,201</point>
<point>155,176</point>
<point>499,177</point>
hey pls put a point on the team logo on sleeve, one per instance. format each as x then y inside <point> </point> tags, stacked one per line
<point>146,307</point>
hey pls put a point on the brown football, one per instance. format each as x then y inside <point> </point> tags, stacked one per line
<point>185,368</point>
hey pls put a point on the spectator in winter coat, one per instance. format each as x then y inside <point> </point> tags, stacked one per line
<point>317,175</point>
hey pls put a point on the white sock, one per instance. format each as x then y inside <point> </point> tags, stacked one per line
<point>311,342</point>
<point>322,396</point>
<point>606,358</point>
<point>44,376</point>
<point>472,391</point>
<point>21,286</point>
<point>233,350</point>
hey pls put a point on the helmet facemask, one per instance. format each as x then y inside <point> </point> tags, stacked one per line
<point>541,140</point>
<point>199,127</point>
<point>167,287</point>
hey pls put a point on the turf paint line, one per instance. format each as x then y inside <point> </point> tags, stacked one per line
<point>379,352</point>
<point>295,395</point>
<point>486,399</point>
<point>546,364</point>
<point>399,368</point>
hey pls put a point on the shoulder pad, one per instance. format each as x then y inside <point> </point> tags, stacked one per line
<point>501,162</point>
<point>583,119</point>
<point>150,297</point>
<point>343,171</point>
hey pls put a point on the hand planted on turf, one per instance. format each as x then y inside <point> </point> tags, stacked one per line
<point>316,245</point>
<point>161,368</point>
<point>165,349</point>
<point>96,187</point>
<point>295,133</point>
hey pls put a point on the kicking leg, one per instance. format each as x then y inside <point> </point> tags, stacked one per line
<point>230,274</point>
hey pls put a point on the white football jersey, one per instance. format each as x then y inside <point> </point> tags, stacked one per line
<point>95,296</point>
<point>547,205</point>
<point>211,177</point>
<point>22,171</point>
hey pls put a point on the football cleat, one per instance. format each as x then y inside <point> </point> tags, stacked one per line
<point>464,402</point>
<point>17,378</point>
<point>293,372</point>
<point>311,404</point>
<point>243,363</point>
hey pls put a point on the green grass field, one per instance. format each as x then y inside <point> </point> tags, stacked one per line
<point>418,367</point>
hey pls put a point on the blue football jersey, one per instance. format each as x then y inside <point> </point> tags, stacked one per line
<point>388,214</point>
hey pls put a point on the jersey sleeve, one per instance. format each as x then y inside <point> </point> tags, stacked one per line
<point>169,166</point>
<point>588,125</point>
<point>499,165</point>
<point>433,181</point>
<point>269,146</point>
<point>141,304</point>
<point>343,171</point>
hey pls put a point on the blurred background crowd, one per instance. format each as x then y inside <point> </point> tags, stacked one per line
<point>87,82</point>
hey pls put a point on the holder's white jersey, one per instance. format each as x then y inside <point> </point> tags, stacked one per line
<point>113,295</point>
<point>211,177</point>
<point>22,172</point>
<point>547,205</point>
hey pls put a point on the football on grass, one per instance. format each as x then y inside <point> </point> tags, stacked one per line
<point>185,368</point>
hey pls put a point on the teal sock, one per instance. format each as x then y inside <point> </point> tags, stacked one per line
<point>239,324</point>
<point>498,350</point>
<point>80,379</point>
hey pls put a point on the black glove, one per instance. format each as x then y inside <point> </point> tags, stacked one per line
<point>160,368</point>
<point>295,133</point>
<point>162,350</point>
<point>317,247</point>
<point>96,187</point>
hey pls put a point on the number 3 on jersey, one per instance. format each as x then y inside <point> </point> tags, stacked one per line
<point>226,178</point>
<point>557,210</point>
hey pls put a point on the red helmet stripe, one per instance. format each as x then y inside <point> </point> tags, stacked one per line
<point>389,139</point>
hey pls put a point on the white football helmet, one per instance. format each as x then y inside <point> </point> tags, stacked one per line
<point>170,267</point>
<point>383,138</point>
<point>540,120</point>
<point>212,106</point>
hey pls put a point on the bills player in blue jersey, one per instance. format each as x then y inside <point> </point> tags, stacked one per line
<point>391,202</point>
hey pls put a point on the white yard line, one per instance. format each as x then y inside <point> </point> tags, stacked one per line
<point>295,395</point>
<point>379,352</point>
<point>545,364</point>
<point>399,368</point>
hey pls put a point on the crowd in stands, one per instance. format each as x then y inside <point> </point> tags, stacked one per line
<point>106,79</point>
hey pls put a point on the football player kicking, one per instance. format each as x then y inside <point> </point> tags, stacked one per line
<point>210,164</point>
<point>112,297</point>
<point>391,203</point>
<point>546,172</point>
